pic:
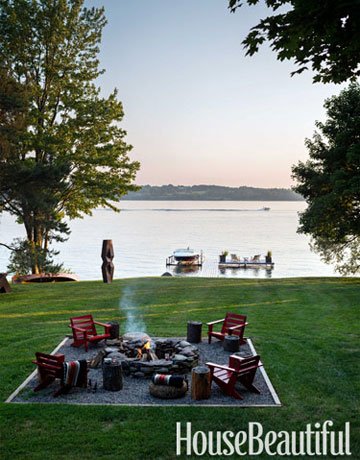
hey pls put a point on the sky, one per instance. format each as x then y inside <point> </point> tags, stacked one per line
<point>197,110</point>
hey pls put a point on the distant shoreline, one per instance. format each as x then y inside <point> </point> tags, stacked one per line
<point>211,193</point>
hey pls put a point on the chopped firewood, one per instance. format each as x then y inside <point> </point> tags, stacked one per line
<point>97,359</point>
<point>112,342</point>
<point>151,355</point>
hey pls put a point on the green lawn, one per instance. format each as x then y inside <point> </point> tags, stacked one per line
<point>306,331</point>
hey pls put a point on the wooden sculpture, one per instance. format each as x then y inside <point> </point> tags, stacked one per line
<point>4,285</point>
<point>107,255</point>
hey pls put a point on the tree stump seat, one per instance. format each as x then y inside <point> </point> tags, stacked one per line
<point>200,383</point>
<point>112,376</point>
<point>194,331</point>
<point>231,343</point>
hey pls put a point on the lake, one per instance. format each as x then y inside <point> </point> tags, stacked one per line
<point>145,233</point>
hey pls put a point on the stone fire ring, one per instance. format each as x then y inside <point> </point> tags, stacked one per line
<point>167,392</point>
<point>182,355</point>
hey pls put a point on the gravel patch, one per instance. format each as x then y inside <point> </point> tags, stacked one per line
<point>136,390</point>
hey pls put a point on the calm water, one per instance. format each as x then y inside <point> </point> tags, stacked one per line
<point>146,232</point>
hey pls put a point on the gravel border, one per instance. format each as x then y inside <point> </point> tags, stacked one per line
<point>135,391</point>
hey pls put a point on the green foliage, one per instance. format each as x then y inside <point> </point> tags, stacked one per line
<point>321,35</point>
<point>25,256</point>
<point>330,183</point>
<point>62,151</point>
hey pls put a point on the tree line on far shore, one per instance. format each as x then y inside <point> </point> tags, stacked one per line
<point>212,192</point>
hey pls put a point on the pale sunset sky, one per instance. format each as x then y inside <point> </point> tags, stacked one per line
<point>197,111</point>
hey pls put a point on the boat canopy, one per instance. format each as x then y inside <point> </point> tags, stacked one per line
<point>185,253</point>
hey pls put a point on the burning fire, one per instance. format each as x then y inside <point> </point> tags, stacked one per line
<point>144,348</point>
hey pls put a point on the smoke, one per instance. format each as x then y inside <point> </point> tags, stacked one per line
<point>127,306</point>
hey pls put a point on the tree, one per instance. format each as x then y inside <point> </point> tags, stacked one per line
<point>62,151</point>
<point>323,35</point>
<point>330,183</point>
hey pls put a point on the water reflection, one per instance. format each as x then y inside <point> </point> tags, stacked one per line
<point>186,269</point>
<point>253,271</point>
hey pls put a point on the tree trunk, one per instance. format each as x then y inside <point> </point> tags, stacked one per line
<point>35,269</point>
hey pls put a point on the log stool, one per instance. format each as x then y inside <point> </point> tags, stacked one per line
<point>194,331</point>
<point>112,375</point>
<point>114,330</point>
<point>200,383</point>
<point>231,343</point>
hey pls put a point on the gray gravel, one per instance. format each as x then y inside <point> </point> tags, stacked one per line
<point>136,390</point>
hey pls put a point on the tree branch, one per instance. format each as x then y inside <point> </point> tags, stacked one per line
<point>9,247</point>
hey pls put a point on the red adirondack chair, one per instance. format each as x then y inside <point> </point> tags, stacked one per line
<point>50,367</point>
<point>232,324</point>
<point>84,331</point>
<point>239,369</point>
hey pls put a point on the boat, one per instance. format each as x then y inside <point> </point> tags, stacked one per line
<point>45,278</point>
<point>185,257</point>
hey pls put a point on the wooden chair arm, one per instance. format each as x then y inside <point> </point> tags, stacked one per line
<point>216,322</point>
<point>105,325</point>
<point>80,329</point>
<point>219,366</point>
<point>239,326</point>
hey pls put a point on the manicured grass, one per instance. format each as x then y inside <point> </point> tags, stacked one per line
<point>306,331</point>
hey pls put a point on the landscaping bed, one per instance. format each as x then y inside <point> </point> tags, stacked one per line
<point>135,390</point>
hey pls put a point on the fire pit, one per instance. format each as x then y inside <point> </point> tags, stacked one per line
<point>142,356</point>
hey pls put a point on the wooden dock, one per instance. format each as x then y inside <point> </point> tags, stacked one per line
<point>246,264</point>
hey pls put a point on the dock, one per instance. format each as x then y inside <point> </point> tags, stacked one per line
<point>246,264</point>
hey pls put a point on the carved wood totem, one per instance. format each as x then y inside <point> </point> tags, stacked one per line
<point>4,285</point>
<point>107,255</point>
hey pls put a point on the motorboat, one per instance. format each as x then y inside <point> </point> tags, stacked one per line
<point>186,255</point>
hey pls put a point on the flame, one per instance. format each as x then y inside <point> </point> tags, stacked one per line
<point>145,348</point>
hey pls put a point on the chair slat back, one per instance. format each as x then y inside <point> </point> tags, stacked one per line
<point>244,365</point>
<point>49,363</point>
<point>84,322</point>
<point>231,320</point>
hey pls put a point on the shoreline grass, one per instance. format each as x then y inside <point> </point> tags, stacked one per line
<point>305,329</point>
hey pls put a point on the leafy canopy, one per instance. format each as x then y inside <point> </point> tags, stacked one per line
<point>322,35</point>
<point>330,183</point>
<point>62,150</point>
